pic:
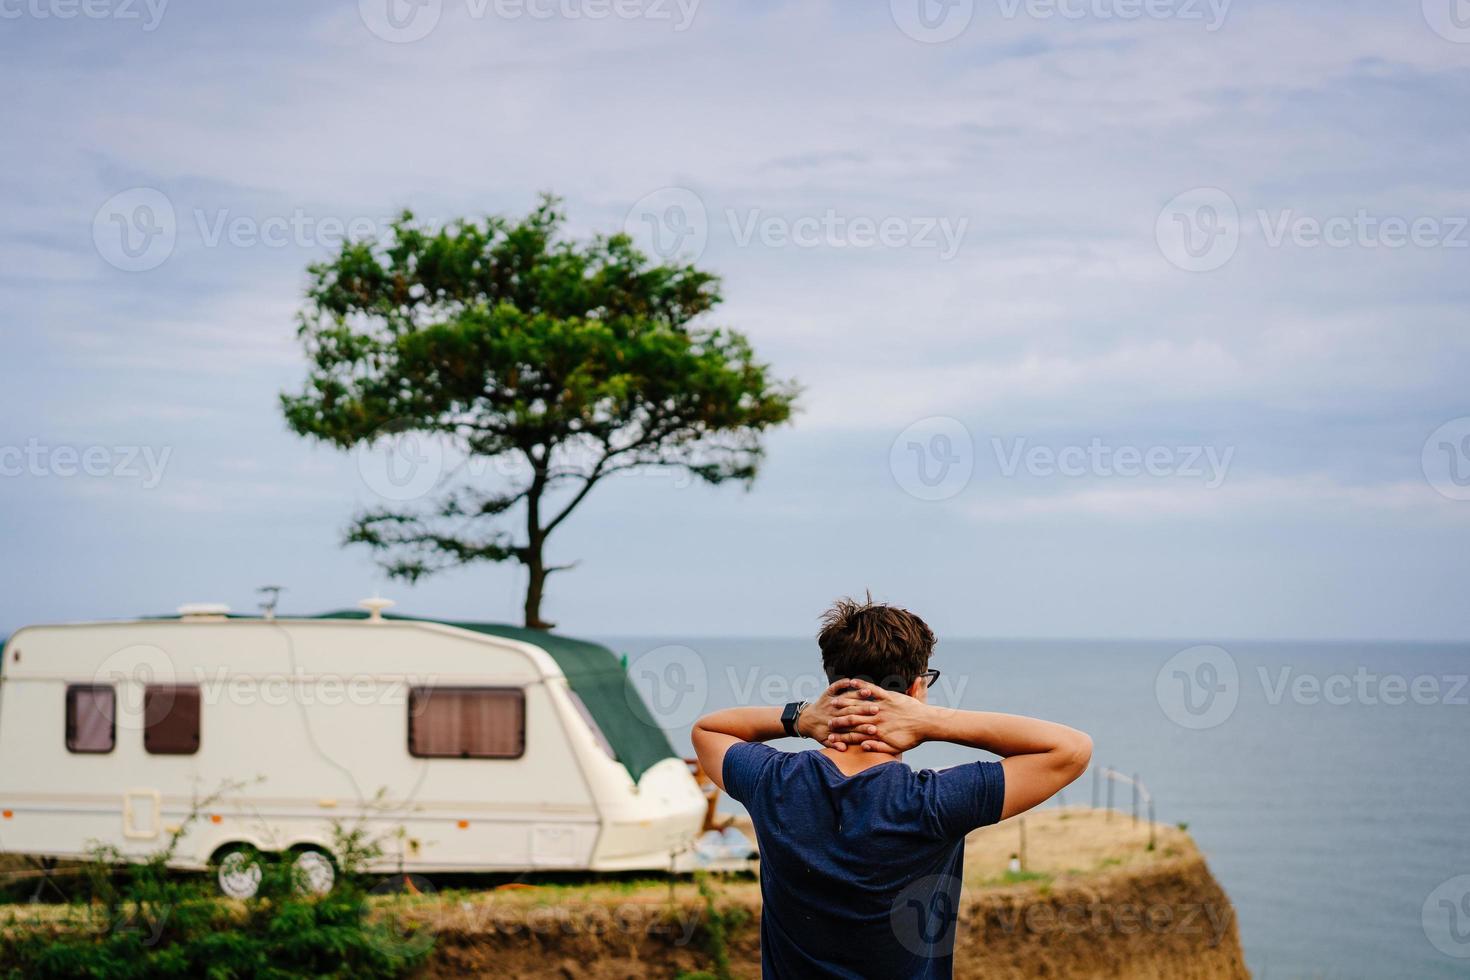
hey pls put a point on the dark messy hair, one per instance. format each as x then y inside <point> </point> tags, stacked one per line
<point>874,641</point>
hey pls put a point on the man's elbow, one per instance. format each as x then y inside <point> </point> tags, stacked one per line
<point>1077,754</point>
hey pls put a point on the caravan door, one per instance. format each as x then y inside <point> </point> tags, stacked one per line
<point>170,728</point>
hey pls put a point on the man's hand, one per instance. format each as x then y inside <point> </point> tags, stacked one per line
<point>879,720</point>
<point>1039,757</point>
<point>845,700</point>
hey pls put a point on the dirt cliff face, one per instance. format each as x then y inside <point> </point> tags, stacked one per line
<point>1170,921</point>
<point>1102,896</point>
<point>1099,897</point>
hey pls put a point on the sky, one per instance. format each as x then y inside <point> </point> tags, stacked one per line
<point>1113,318</point>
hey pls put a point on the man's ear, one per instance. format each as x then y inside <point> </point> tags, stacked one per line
<point>919,690</point>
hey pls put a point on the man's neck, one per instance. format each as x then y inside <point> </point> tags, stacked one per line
<point>854,760</point>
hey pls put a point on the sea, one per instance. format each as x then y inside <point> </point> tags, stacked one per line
<point>1328,784</point>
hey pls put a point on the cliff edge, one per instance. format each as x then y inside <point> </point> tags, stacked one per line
<point>1096,896</point>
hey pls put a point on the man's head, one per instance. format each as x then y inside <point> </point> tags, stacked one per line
<point>876,642</point>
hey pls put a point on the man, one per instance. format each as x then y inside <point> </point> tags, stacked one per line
<point>861,856</point>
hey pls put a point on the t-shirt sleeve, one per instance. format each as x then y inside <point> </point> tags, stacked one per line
<point>966,797</point>
<point>744,763</point>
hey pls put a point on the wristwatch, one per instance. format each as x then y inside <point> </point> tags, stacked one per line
<point>789,714</point>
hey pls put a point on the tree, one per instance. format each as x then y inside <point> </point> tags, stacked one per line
<point>572,361</point>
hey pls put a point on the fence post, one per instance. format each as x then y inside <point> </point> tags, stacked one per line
<point>1110,794</point>
<point>1135,799</point>
<point>1095,799</point>
<point>1152,827</point>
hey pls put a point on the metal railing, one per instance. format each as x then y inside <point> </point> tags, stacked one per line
<point>1141,796</point>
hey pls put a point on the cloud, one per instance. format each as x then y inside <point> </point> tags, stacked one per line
<point>1055,142</point>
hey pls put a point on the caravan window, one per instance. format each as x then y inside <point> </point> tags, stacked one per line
<point>171,719</point>
<point>467,722</point>
<point>91,718</point>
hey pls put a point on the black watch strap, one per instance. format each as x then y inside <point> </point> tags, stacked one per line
<point>789,714</point>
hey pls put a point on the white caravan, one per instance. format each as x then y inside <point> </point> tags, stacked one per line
<point>464,747</point>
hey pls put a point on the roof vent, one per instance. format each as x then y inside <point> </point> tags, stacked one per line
<point>204,611</point>
<point>375,607</point>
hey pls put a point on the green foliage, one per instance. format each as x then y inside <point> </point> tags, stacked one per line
<point>717,926</point>
<point>564,362</point>
<point>151,922</point>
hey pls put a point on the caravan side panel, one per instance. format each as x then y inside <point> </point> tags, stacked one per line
<point>302,725</point>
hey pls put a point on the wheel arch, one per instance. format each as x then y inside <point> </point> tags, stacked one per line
<point>240,841</point>
<point>312,843</point>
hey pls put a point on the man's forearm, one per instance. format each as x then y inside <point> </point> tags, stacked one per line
<point>1005,735</point>
<point>1040,757</point>
<point>746,724</point>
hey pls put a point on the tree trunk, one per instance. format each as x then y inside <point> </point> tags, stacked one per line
<point>535,586</point>
<point>535,540</point>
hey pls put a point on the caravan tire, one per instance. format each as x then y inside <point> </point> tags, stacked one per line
<point>313,871</point>
<point>238,871</point>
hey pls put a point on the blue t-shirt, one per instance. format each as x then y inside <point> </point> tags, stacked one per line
<point>860,875</point>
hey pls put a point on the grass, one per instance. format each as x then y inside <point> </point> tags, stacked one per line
<point>1018,877</point>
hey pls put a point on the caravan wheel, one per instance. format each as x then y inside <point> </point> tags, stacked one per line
<point>313,872</point>
<point>239,872</point>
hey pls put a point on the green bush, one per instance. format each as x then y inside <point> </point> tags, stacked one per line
<point>150,922</point>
